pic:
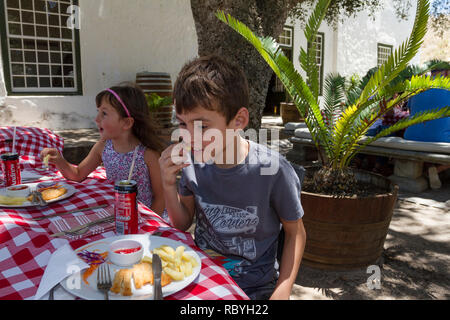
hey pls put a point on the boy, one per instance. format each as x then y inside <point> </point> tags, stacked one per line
<point>239,210</point>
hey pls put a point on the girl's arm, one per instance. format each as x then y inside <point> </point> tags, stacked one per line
<point>151,159</point>
<point>294,245</point>
<point>80,172</point>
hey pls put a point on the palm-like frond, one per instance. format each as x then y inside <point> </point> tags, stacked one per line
<point>334,97</point>
<point>408,88</point>
<point>296,87</point>
<point>343,138</point>
<point>307,58</point>
<point>380,79</point>
<point>417,118</point>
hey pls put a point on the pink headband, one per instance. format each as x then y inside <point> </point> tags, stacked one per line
<point>121,102</point>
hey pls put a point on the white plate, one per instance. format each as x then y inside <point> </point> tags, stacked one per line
<point>149,243</point>
<point>70,191</point>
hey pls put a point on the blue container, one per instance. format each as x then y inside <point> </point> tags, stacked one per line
<point>434,130</point>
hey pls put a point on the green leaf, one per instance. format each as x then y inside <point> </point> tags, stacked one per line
<point>303,97</point>
<point>382,90</point>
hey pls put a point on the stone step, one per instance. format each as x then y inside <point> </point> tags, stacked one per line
<point>78,143</point>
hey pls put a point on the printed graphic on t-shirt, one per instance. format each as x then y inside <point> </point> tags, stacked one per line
<point>227,229</point>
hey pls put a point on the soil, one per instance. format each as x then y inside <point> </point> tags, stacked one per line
<point>342,184</point>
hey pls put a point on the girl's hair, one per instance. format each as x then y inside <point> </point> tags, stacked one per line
<point>144,128</point>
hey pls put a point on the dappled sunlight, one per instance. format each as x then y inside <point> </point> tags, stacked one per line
<point>415,263</point>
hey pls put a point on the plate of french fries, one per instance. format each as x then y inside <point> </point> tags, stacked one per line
<point>181,266</point>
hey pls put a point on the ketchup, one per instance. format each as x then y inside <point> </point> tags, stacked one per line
<point>127,251</point>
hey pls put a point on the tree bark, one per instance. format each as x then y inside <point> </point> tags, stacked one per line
<point>264,17</point>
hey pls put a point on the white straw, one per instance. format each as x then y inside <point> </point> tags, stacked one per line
<point>14,140</point>
<point>132,164</point>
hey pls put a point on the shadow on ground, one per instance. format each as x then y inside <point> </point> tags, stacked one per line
<point>414,265</point>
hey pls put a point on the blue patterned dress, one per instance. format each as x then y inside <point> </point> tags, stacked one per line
<point>118,165</point>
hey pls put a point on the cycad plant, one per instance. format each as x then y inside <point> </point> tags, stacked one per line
<point>340,141</point>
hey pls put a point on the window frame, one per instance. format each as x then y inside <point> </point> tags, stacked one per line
<point>383,45</point>
<point>279,87</point>
<point>6,61</point>
<point>291,28</point>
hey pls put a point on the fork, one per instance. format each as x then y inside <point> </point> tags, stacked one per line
<point>37,199</point>
<point>77,231</point>
<point>85,228</point>
<point>104,282</point>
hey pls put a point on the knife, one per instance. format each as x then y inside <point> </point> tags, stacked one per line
<point>157,269</point>
<point>42,202</point>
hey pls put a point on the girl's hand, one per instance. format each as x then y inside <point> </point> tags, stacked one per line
<point>51,154</point>
<point>171,162</point>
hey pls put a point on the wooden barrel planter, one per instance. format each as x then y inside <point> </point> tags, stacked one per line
<point>345,233</point>
<point>161,84</point>
<point>289,113</point>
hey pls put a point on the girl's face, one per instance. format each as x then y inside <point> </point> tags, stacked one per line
<point>108,121</point>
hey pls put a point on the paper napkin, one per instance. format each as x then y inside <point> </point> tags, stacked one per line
<point>64,263</point>
<point>30,176</point>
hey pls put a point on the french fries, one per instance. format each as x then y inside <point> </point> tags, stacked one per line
<point>176,263</point>
<point>46,160</point>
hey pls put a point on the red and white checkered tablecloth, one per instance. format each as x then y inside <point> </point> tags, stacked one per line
<point>26,245</point>
<point>29,140</point>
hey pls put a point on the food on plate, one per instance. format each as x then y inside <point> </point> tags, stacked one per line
<point>52,193</point>
<point>127,251</point>
<point>175,262</point>
<point>46,158</point>
<point>12,201</point>
<point>18,191</point>
<point>47,184</point>
<point>141,273</point>
<point>94,260</point>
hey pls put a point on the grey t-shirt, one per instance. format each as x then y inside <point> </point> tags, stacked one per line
<point>238,210</point>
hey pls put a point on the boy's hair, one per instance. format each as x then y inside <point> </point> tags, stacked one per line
<point>144,128</point>
<point>213,83</point>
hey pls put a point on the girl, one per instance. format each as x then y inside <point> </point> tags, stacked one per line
<point>124,123</point>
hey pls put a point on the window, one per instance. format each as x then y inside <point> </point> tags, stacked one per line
<point>40,53</point>
<point>319,46</point>
<point>286,37</point>
<point>285,40</point>
<point>383,53</point>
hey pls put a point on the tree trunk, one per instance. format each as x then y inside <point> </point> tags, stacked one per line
<point>214,37</point>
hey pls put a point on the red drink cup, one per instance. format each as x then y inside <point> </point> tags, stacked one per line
<point>125,207</point>
<point>11,169</point>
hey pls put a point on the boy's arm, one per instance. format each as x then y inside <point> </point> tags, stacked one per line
<point>294,245</point>
<point>181,209</point>
<point>151,159</point>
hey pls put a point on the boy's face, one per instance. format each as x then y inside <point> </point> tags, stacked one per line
<point>210,136</point>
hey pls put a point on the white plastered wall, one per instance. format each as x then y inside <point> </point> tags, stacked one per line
<point>118,39</point>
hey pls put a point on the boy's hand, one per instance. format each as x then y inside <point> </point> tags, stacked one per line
<point>51,154</point>
<point>171,162</point>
